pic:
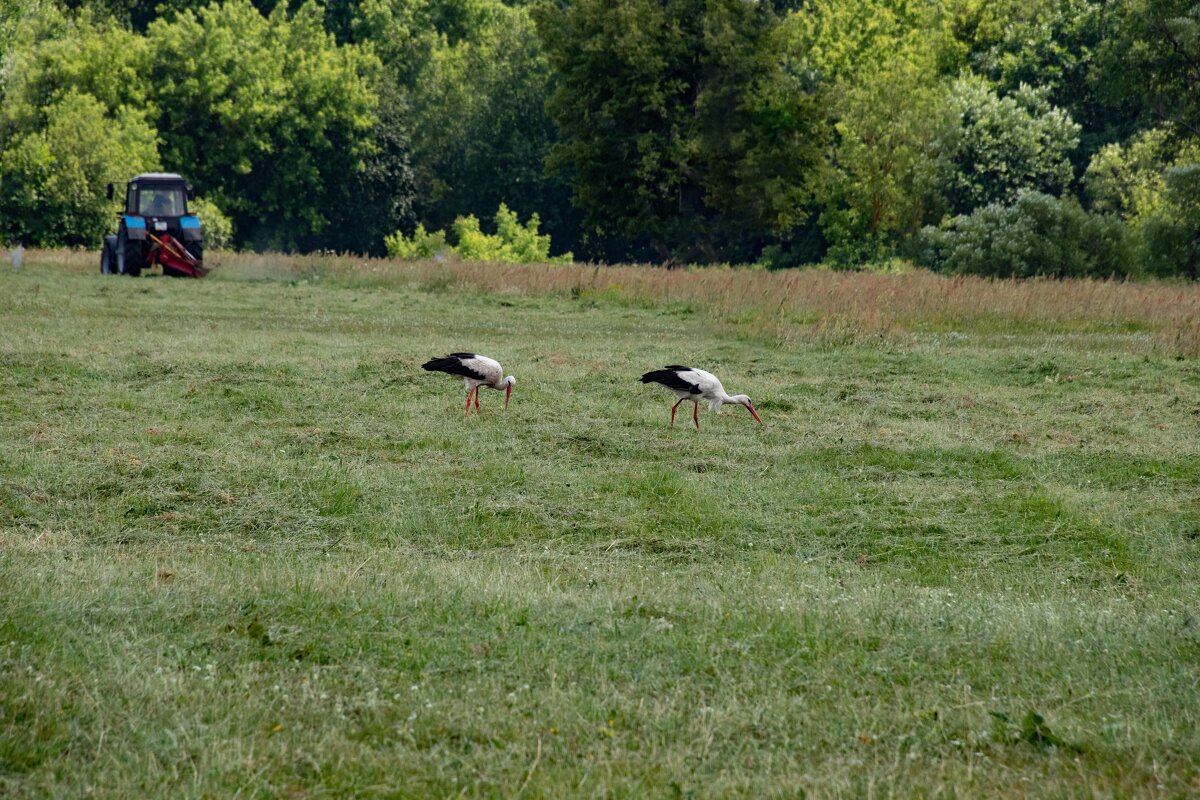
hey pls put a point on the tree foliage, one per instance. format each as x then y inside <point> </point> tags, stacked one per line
<point>267,115</point>
<point>679,122</point>
<point>1036,234</point>
<point>1171,234</point>
<point>53,179</point>
<point>1054,45</point>
<point>1151,61</point>
<point>382,195</point>
<point>782,132</point>
<point>480,133</point>
<point>882,181</point>
<point>1154,182</point>
<point>1003,145</point>
<point>840,43</point>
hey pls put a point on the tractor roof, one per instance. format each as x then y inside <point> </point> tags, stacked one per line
<point>157,176</point>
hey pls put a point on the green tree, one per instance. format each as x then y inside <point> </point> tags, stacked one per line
<point>381,197</point>
<point>882,64</point>
<point>1002,145</point>
<point>71,121</point>
<point>1127,179</point>
<point>53,179</point>
<point>268,116</point>
<point>480,130</point>
<point>882,182</point>
<point>840,42</point>
<point>218,228</point>
<point>679,122</point>
<point>1171,235</point>
<point>399,34</point>
<point>12,15</point>
<point>1151,62</point>
<point>1054,44</point>
<point>138,14</point>
<point>54,55</point>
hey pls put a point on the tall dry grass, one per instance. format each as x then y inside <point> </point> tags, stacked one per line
<point>787,305</point>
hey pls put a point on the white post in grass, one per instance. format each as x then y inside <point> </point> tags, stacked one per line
<point>18,256</point>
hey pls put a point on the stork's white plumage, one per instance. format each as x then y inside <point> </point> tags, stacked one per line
<point>695,384</point>
<point>476,371</point>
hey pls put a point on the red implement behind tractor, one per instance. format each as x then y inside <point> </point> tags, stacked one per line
<point>174,257</point>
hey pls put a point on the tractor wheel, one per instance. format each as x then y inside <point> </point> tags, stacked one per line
<point>108,256</point>
<point>134,258</point>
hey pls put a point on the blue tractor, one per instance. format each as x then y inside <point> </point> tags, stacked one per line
<point>155,228</point>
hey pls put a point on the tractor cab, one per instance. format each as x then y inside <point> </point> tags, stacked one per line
<point>155,227</point>
<point>157,195</point>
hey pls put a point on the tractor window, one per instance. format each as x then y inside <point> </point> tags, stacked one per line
<point>161,201</point>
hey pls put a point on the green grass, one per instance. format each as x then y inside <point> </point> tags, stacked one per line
<point>248,548</point>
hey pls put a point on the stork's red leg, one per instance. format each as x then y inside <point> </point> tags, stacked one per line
<point>680,400</point>
<point>696,414</point>
<point>468,408</point>
<point>476,399</point>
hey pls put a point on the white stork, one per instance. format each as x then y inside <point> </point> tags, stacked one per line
<point>476,371</point>
<point>696,385</point>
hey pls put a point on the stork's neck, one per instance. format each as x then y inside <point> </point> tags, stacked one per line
<point>717,399</point>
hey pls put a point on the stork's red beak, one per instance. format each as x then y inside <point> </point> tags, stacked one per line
<point>755,413</point>
<point>507,394</point>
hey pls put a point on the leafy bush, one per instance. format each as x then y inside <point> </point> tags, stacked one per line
<point>218,228</point>
<point>1036,235</point>
<point>513,243</point>
<point>420,246</point>
<point>1126,178</point>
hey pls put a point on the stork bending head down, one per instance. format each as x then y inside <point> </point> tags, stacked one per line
<point>695,384</point>
<point>476,371</point>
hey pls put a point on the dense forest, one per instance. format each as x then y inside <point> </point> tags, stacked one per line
<point>1005,137</point>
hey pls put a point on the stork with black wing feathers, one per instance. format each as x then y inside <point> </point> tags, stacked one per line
<point>476,371</point>
<point>693,384</point>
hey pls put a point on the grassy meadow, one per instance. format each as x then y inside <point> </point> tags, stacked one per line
<point>248,548</point>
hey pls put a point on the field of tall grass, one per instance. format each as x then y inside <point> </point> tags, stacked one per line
<point>248,548</point>
<point>788,305</point>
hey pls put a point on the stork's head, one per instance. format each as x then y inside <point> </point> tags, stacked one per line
<point>508,385</point>
<point>744,400</point>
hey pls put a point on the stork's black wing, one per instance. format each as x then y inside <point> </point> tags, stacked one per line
<point>670,378</point>
<point>454,364</point>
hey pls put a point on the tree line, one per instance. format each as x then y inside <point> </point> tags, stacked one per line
<point>1015,137</point>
